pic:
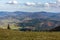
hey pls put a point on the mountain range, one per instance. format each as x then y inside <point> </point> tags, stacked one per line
<point>38,20</point>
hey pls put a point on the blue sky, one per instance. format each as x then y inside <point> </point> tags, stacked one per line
<point>22,7</point>
<point>3,1</point>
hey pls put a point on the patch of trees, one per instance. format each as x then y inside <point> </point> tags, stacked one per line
<point>56,29</point>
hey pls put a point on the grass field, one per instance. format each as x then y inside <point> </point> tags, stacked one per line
<point>19,35</point>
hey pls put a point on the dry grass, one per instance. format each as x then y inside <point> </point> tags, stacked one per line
<point>18,35</point>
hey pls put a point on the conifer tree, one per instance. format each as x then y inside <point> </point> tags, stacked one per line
<point>8,27</point>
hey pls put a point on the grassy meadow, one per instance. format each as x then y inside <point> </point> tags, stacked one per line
<point>20,35</point>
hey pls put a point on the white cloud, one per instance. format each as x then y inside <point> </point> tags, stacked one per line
<point>36,4</point>
<point>41,5</point>
<point>30,4</point>
<point>58,0</point>
<point>47,4</point>
<point>12,2</point>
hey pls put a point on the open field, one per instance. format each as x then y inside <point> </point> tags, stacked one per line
<point>19,35</point>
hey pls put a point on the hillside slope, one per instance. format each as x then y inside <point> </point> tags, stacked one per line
<point>56,29</point>
<point>39,20</point>
<point>18,35</point>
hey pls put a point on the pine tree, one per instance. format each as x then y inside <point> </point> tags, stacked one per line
<point>8,27</point>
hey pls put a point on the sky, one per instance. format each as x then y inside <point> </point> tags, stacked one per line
<point>3,1</point>
<point>30,5</point>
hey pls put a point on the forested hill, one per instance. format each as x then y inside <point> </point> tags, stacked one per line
<point>39,20</point>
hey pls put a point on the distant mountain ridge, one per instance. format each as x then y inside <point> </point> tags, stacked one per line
<point>30,14</point>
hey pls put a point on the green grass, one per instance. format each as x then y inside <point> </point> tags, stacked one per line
<point>19,35</point>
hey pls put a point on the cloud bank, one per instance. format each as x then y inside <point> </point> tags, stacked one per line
<point>34,6</point>
<point>55,4</point>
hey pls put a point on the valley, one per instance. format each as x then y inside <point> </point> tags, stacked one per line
<point>38,21</point>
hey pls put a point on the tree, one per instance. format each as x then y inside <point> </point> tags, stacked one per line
<point>8,27</point>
